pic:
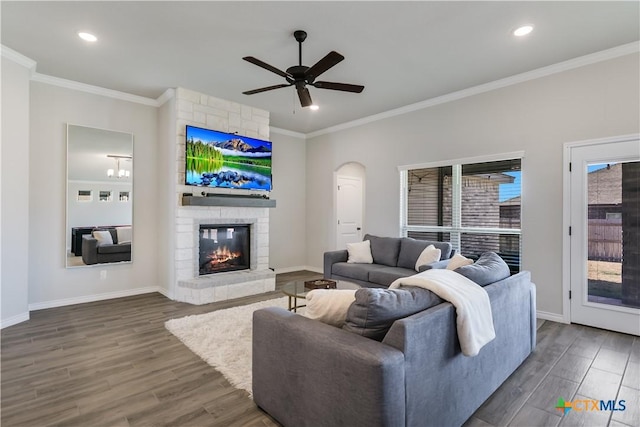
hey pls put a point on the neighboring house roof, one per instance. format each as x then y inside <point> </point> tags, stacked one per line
<point>514,201</point>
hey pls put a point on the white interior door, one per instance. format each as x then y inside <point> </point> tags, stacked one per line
<point>605,223</point>
<point>349,211</point>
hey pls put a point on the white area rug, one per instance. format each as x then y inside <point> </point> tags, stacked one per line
<point>222,338</point>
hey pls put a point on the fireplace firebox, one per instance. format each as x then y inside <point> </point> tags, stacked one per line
<point>224,248</point>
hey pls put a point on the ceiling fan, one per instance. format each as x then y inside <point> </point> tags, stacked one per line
<point>300,75</point>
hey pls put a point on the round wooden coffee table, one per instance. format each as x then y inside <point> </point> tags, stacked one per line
<point>296,290</point>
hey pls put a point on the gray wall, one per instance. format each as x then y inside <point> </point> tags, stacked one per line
<point>287,221</point>
<point>14,197</point>
<point>51,108</point>
<point>536,117</point>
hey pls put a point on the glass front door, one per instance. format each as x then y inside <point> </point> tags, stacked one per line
<point>605,240</point>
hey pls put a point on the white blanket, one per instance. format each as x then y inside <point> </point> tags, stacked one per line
<point>473,308</point>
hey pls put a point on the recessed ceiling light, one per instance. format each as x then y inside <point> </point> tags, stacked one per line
<point>314,107</point>
<point>87,36</point>
<point>523,31</point>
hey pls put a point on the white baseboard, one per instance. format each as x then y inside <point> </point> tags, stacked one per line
<point>93,298</point>
<point>19,318</point>
<point>297,268</point>
<point>167,293</point>
<point>545,315</point>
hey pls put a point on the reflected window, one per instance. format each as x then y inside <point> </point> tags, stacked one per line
<point>84,196</point>
<point>105,196</point>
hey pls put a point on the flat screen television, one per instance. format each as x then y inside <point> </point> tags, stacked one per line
<point>224,160</point>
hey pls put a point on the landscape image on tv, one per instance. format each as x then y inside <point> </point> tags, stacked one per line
<point>223,160</point>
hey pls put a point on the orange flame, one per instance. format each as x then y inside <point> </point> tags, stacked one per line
<point>222,255</point>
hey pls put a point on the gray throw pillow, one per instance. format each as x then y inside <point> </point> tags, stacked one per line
<point>384,250</point>
<point>489,268</point>
<point>374,310</point>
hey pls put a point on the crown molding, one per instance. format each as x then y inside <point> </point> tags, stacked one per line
<point>166,96</point>
<point>29,63</point>
<point>570,64</point>
<point>625,49</point>
<point>287,132</point>
<point>18,58</point>
<point>96,90</point>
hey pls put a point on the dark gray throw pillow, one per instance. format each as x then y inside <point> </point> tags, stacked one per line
<point>374,310</point>
<point>384,250</point>
<point>489,268</point>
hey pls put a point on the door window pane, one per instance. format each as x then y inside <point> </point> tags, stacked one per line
<point>613,263</point>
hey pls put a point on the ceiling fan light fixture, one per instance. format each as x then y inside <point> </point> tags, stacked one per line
<point>87,36</point>
<point>302,76</point>
<point>523,30</point>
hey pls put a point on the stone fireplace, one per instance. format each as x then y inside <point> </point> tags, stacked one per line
<point>216,221</point>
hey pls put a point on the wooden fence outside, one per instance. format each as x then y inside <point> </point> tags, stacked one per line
<point>605,240</point>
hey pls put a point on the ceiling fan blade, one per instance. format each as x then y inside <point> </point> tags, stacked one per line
<point>264,89</point>
<point>305,96</point>
<point>266,66</point>
<point>345,87</point>
<point>331,59</point>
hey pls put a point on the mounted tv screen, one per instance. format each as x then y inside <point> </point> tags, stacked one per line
<point>225,160</point>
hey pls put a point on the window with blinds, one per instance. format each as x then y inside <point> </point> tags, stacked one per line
<point>475,206</point>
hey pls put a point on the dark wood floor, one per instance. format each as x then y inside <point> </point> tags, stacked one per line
<point>112,363</point>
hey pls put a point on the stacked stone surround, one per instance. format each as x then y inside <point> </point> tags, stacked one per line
<point>196,109</point>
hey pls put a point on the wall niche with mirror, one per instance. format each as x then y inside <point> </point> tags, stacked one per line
<point>99,226</point>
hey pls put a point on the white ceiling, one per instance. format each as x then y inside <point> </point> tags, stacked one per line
<point>402,52</point>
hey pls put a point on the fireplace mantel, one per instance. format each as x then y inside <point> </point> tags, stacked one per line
<point>234,201</point>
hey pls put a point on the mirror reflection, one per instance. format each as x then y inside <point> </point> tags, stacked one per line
<point>99,196</point>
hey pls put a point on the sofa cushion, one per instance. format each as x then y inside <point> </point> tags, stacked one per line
<point>384,250</point>
<point>489,268</point>
<point>124,234</point>
<point>386,275</point>
<point>329,306</point>
<point>359,253</point>
<point>410,250</point>
<point>354,271</point>
<point>374,310</point>
<point>114,249</point>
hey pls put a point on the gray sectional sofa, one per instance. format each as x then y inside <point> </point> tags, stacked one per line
<point>393,258</point>
<point>308,373</point>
